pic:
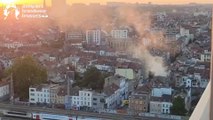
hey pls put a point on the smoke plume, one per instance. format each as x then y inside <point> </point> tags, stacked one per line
<point>142,23</point>
<point>106,18</point>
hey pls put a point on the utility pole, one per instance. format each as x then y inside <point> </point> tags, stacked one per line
<point>11,89</point>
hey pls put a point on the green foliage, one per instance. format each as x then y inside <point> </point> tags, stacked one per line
<point>178,107</point>
<point>26,72</point>
<point>93,78</point>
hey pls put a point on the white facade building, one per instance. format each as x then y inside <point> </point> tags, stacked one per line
<point>161,105</point>
<point>83,99</point>
<point>166,107</point>
<point>119,34</point>
<point>187,82</point>
<point>205,56</point>
<point>93,37</point>
<point>113,97</point>
<point>116,94</point>
<point>40,94</point>
<point>184,32</point>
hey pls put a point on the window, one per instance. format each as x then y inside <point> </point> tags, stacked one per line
<point>88,103</point>
<point>32,99</point>
<point>94,99</point>
<point>94,103</point>
<point>32,94</point>
<point>32,90</point>
<point>88,94</point>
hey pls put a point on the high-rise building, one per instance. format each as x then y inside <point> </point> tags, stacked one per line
<point>93,37</point>
<point>120,34</point>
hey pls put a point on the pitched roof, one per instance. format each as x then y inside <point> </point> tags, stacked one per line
<point>109,90</point>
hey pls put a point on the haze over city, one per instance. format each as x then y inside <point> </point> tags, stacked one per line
<point>105,59</point>
<point>142,1</point>
<point>125,1</point>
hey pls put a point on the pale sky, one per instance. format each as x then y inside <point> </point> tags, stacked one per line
<point>143,1</point>
<point>104,1</point>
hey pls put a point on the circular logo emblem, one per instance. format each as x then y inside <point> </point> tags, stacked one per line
<point>11,9</point>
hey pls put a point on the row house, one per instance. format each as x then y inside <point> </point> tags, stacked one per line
<point>53,94</point>
<point>39,94</point>
<point>160,105</point>
<point>161,100</point>
<point>138,102</point>
<point>84,99</point>
<point>139,99</point>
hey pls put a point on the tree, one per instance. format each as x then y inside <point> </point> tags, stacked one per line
<point>26,72</point>
<point>93,78</point>
<point>178,107</point>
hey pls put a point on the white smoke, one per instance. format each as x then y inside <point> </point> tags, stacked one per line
<point>126,15</point>
<point>142,23</point>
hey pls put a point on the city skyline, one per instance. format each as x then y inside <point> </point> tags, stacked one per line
<point>70,2</point>
<point>142,1</point>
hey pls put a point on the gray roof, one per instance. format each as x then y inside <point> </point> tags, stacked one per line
<point>109,90</point>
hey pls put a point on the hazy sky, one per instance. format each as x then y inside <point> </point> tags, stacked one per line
<point>104,1</point>
<point>144,1</point>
